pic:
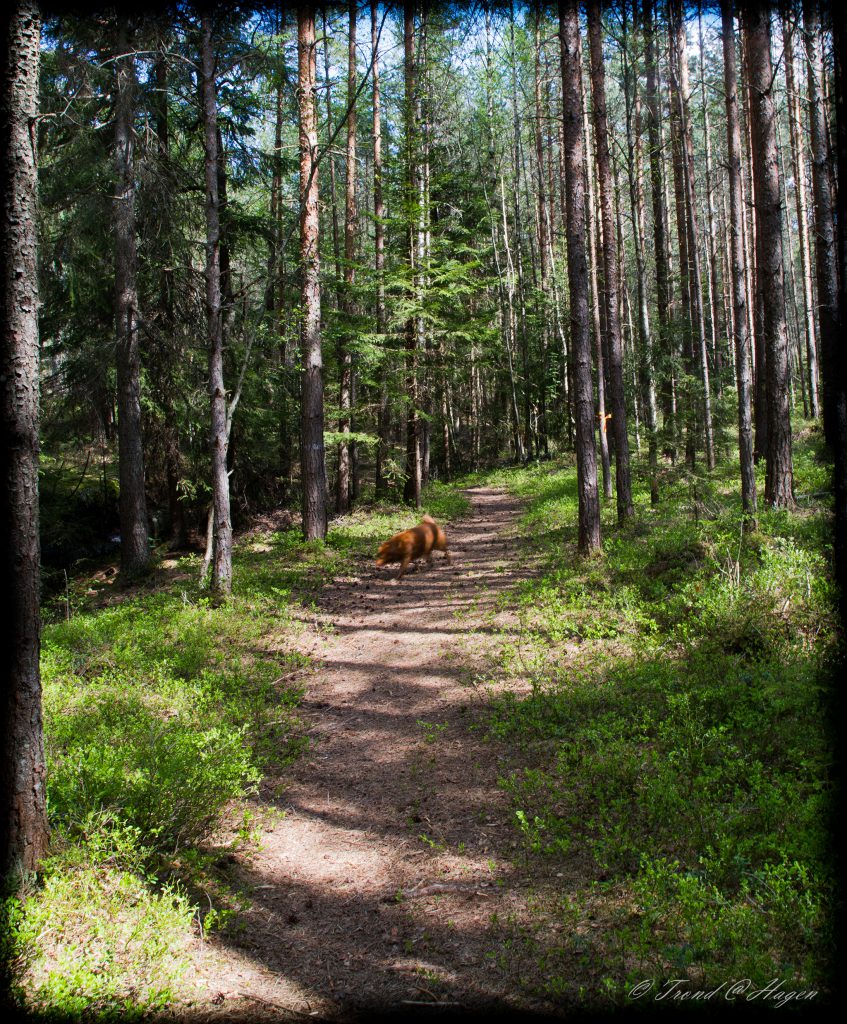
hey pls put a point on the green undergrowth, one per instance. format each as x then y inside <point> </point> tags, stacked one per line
<point>168,722</point>
<point>669,737</point>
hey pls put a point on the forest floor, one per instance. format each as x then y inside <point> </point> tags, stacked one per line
<point>384,882</point>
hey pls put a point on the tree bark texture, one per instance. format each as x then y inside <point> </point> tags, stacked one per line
<point>345,358</point>
<point>135,545</point>
<point>586,456</point>
<point>379,260</point>
<point>695,287</point>
<point>825,248</point>
<point>738,278</point>
<point>412,486</point>
<point>802,205</point>
<point>221,581</point>
<point>660,218</point>
<point>312,453</point>
<point>779,490</point>
<point>610,265</point>
<point>840,368</point>
<point>22,795</point>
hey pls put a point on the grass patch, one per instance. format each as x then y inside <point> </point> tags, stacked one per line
<point>163,715</point>
<point>669,740</point>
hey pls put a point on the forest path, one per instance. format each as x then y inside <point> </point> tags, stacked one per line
<point>378,888</point>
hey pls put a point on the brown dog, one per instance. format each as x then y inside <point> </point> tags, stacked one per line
<point>418,542</point>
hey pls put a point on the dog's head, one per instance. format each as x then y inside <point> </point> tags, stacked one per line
<point>386,553</point>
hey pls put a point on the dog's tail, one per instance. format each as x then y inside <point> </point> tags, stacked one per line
<point>428,519</point>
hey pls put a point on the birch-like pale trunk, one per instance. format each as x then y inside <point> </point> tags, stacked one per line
<point>221,581</point>
<point>801,200</point>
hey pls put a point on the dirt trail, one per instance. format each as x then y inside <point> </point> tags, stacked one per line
<point>378,888</point>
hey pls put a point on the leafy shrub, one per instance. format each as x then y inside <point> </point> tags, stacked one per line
<point>96,940</point>
<point>157,767</point>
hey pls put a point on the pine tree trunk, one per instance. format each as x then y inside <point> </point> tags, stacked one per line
<point>586,457</point>
<point>379,263</point>
<point>135,545</point>
<point>779,491</point>
<point>330,157</point>
<point>738,277</point>
<point>161,366</point>
<point>598,309</point>
<point>312,453</point>
<point>520,285</point>
<point>825,247</point>
<point>840,368</point>
<point>645,361</point>
<point>221,581</point>
<point>754,263</point>
<point>798,161</point>
<point>686,328</point>
<point>695,288</point>
<point>715,307</point>
<point>23,825</point>
<point>610,265</point>
<point>412,486</point>
<point>345,358</point>
<point>543,244</point>
<point>509,335</point>
<point>660,218</point>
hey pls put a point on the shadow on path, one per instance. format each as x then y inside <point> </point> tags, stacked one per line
<point>383,886</point>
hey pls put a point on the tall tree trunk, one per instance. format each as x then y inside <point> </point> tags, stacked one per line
<point>825,249</point>
<point>517,161</point>
<point>312,453</point>
<point>610,265</point>
<point>345,357</point>
<point>567,362</point>
<point>412,487</point>
<point>738,277</point>
<point>840,368</point>
<point>686,329</point>
<point>167,355</point>
<point>802,205</point>
<point>510,334</point>
<point>715,307</point>
<point>754,262</point>
<point>23,818</point>
<point>135,546</point>
<point>695,287</point>
<point>593,230</point>
<point>221,581</point>
<point>779,490</point>
<point>543,243</point>
<point>645,361</point>
<point>424,248</point>
<point>379,262</point>
<point>275,296</point>
<point>330,158</point>
<point>586,457</point>
<point>660,218</point>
